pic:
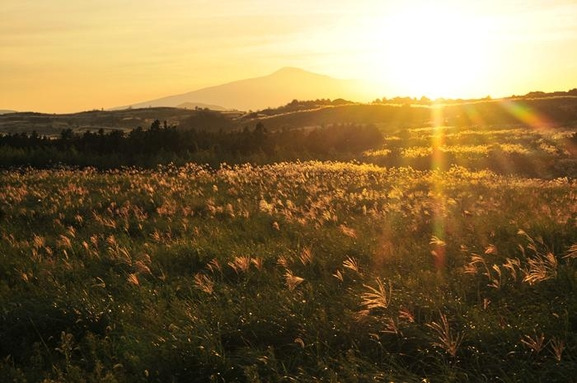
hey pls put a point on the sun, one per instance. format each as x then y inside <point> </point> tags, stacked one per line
<point>435,51</point>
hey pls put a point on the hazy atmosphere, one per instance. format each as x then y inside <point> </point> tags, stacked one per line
<point>297,191</point>
<point>68,56</point>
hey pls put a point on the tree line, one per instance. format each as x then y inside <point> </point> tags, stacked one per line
<point>164,143</point>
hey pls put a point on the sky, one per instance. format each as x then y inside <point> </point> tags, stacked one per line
<point>60,56</point>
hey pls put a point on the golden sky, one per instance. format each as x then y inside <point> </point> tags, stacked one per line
<point>69,55</point>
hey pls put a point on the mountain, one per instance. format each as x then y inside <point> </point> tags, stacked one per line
<point>273,90</point>
<point>5,111</point>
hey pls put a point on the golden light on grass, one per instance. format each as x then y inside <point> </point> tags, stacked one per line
<point>240,264</point>
<point>377,298</point>
<point>446,338</point>
<point>557,346</point>
<point>292,281</point>
<point>133,279</point>
<point>535,343</point>
<point>224,313</point>
<point>204,283</point>
<point>351,264</point>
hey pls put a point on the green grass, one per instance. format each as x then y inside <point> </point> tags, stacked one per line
<point>315,271</point>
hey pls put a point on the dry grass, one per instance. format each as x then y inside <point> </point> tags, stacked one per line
<point>160,271</point>
<point>535,343</point>
<point>204,283</point>
<point>541,268</point>
<point>377,298</point>
<point>292,281</point>
<point>446,338</point>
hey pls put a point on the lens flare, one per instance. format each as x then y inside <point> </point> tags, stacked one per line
<point>526,115</point>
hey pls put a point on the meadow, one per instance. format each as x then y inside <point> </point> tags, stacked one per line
<point>287,272</point>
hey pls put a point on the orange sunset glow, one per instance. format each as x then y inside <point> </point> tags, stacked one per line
<point>288,191</point>
<point>69,56</point>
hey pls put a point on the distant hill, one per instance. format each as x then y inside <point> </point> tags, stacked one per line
<point>128,119</point>
<point>540,112</point>
<point>273,90</point>
<point>547,111</point>
<point>5,111</point>
<point>199,105</point>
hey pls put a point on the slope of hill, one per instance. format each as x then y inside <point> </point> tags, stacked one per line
<point>269,91</point>
<point>535,138</point>
<point>53,124</point>
<point>547,111</point>
<point>542,112</point>
<point>199,105</point>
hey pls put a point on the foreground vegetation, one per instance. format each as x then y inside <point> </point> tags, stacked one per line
<point>292,272</point>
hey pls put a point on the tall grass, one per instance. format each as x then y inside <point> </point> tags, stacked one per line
<point>300,271</point>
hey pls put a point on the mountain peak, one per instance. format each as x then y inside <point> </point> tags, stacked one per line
<point>271,90</point>
<point>292,71</point>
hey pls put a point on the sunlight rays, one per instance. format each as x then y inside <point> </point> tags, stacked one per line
<point>530,117</point>
<point>438,138</point>
<point>526,115</point>
<point>506,154</point>
<point>438,163</point>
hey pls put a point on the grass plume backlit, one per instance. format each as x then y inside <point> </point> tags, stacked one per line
<point>286,272</point>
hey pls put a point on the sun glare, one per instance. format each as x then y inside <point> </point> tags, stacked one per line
<point>436,52</point>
